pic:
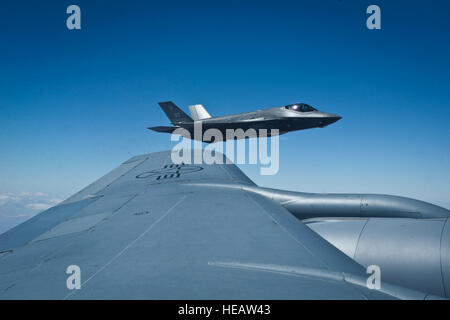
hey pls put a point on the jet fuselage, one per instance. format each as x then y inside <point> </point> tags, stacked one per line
<point>283,119</point>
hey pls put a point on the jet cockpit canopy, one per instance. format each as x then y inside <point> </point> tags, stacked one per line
<point>300,107</point>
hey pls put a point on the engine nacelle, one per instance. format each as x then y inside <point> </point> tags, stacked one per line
<point>408,239</point>
<point>312,205</point>
<point>414,253</point>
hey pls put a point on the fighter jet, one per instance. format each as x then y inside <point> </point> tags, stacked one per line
<point>276,121</point>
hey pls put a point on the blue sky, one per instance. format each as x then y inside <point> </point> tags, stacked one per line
<point>75,104</point>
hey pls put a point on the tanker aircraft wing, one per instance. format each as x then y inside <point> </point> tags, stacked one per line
<point>151,229</point>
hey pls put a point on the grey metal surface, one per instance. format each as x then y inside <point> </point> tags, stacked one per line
<point>34,227</point>
<point>155,230</point>
<point>410,252</point>
<point>312,205</point>
<point>151,229</point>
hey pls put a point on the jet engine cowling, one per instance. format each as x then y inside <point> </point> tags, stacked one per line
<point>414,253</point>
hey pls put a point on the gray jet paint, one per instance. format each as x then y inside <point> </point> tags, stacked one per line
<point>151,229</point>
<point>288,118</point>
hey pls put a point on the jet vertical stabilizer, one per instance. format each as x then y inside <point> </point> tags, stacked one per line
<point>175,114</point>
<point>198,112</point>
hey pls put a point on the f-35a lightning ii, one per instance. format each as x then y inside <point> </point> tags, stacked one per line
<point>271,121</point>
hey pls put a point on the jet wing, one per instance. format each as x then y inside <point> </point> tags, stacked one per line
<point>151,229</point>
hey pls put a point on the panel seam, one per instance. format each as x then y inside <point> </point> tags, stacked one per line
<point>359,238</point>
<point>129,245</point>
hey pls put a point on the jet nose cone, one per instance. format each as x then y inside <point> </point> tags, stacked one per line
<point>334,118</point>
<point>329,119</point>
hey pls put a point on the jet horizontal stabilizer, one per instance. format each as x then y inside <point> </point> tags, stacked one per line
<point>163,129</point>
